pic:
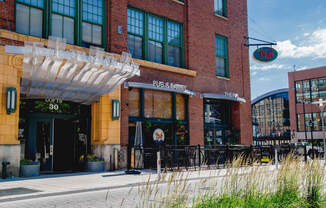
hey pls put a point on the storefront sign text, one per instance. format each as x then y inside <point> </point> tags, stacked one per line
<point>231,94</point>
<point>53,103</point>
<point>265,54</point>
<point>167,85</point>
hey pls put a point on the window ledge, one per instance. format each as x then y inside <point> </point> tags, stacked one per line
<point>220,16</point>
<point>166,68</point>
<point>178,2</point>
<point>224,78</point>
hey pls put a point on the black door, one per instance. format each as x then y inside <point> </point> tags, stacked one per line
<point>63,152</point>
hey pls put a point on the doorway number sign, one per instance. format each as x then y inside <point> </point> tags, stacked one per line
<point>53,103</point>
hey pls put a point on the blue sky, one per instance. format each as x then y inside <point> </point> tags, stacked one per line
<point>298,27</point>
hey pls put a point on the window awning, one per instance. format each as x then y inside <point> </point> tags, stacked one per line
<point>71,75</point>
<point>234,97</point>
<point>152,87</point>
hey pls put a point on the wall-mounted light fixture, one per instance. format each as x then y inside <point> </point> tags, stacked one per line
<point>11,102</point>
<point>115,109</point>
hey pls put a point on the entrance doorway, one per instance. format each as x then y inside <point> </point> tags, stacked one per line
<point>40,143</point>
<point>56,138</point>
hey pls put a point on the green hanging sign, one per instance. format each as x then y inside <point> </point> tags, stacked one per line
<point>265,54</point>
<point>11,101</point>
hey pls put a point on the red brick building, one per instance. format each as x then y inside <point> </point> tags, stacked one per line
<point>201,27</point>
<point>306,87</point>
<point>194,79</point>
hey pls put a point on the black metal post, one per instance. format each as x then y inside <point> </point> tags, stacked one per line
<point>305,153</point>
<point>199,155</point>
<point>304,121</point>
<point>128,157</point>
<point>312,138</point>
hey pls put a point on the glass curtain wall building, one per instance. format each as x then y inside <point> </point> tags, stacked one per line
<point>271,120</point>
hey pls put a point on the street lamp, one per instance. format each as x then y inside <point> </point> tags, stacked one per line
<point>321,103</point>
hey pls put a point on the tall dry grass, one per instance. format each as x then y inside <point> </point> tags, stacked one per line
<point>293,184</point>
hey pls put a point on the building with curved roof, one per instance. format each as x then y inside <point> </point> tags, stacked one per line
<point>270,115</point>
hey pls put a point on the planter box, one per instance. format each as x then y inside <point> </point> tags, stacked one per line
<point>95,166</point>
<point>30,170</point>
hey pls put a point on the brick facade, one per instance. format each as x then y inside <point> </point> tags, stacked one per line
<point>200,27</point>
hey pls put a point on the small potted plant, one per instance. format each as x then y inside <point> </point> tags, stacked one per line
<point>94,163</point>
<point>29,168</point>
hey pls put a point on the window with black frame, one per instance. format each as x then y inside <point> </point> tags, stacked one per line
<point>79,22</point>
<point>217,122</point>
<point>222,61</point>
<point>159,109</point>
<point>92,22</point>
<point>153,38</point>
<point>29,17</point>
<point>220,7</point>
<point>63,19</point>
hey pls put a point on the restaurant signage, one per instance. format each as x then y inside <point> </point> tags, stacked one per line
<point>167,85</point>
<point>231,94</point>
<point>158,136</point>
<point>235,96</point>
<point>265,54</point>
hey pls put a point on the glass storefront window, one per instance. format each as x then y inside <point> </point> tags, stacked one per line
<point>217,119</point>
<point>180,107</point>
<point>133,102</point>
<point>158,109</point>
<point>216,112</point>
<point>158,104</point>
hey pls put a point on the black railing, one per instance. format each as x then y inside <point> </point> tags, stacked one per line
<point>177,157</point>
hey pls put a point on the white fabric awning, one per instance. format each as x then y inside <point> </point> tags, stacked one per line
<point>150,86</point>
<point>223,97</point>
<point>71,75</point>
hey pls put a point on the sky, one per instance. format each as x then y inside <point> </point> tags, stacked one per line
<point>299,29</point>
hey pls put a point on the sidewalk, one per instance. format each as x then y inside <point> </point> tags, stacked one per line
<point>63,184</point>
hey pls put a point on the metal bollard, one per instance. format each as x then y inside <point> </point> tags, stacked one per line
<point>158,163</point>
<point>4,169</point>
<point>116,159</point>
<point>276,159</point>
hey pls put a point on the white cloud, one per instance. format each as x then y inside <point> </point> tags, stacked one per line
<point>269,66</point>
<point>314,45</point>
<point>254,73</point>
<point>301,68</point>
<point>264,79</point>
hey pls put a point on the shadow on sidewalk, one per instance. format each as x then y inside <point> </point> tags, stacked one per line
<point>61,175</point>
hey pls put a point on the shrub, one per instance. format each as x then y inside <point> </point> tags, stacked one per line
<point>29,162</point>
